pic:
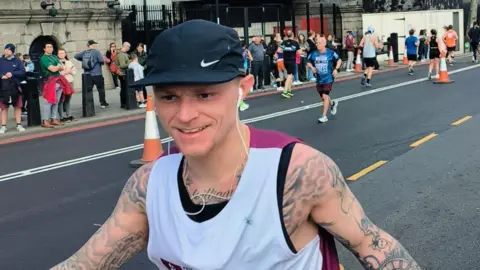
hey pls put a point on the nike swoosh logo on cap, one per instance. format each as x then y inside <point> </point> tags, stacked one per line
<point>203,64</point>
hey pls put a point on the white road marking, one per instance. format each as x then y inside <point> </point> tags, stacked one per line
<point>98,225</point>
<point>115,152</point>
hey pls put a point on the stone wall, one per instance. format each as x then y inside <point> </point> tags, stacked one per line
<point>77,22</point>
<point>352,20</point>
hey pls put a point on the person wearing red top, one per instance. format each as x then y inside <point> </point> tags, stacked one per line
<point>53,87</point>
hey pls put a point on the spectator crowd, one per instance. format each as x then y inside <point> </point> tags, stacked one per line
<point>265,61</point>
<point>270,63</point>
<point>58,73</point>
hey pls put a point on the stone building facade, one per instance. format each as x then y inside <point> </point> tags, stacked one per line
<point>25,24</point>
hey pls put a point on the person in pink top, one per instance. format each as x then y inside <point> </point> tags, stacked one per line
<point>297,62</point>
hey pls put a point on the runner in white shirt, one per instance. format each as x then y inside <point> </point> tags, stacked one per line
<point>231,196</point>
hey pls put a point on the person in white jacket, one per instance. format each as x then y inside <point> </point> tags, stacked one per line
<point>137,75</point>
<point>69,72</point>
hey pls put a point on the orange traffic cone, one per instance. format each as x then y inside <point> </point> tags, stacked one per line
<point>152,146</point>
<point>443,74</point>
<point>405,58</point>
<point>391,63</point>
<point>358,62</point>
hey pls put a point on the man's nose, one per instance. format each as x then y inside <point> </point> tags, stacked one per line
<point>187,110</point>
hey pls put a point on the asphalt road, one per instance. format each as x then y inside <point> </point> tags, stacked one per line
<point>426,196</point>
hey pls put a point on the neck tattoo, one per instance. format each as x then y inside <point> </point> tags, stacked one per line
<point>213,195</point>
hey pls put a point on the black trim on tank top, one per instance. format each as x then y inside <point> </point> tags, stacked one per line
<point>210,210</point>
<point>281,178</point>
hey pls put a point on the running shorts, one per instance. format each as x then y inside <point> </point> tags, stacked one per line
<point>16,104</point>
<point>369,62</point>
<point>290,66</point>
<point>412,57</point>
<point>324,89</point>
<point>434,53</point>
<point>451,49</point>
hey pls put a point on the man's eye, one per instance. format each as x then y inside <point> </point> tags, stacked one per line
<point>206,95</point>
<point>169,97</point>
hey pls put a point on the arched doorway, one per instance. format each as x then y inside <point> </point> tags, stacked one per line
<point>36,49</point>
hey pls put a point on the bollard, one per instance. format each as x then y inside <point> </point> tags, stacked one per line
<point>394,42</point>
<point>266,70</point>
<point>32,91</point>
<point>88,103</point>
<point>130,95</point>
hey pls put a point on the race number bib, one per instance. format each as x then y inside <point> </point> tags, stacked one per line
<point>322,68</point>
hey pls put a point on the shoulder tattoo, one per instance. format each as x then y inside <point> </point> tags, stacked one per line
<point>299,192</point>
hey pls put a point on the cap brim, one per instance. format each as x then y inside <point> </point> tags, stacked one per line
<point>179,77</point>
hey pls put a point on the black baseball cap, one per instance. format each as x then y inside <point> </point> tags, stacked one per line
<point>91,42</point>
<point>194,52</point>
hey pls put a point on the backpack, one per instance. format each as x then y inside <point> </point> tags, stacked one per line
<point>88,60</point>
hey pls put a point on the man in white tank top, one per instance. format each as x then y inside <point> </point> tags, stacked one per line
<point>369,45</point>
<point>231,196</point>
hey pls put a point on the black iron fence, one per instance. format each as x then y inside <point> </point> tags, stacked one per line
<point>322,18</point>
<point>145,22</point>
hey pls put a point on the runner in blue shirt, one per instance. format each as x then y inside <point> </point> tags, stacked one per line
<point>411,43</point>
<point>325,63</point>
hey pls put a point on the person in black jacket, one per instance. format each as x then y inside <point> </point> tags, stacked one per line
<point>474,36</point>
<point>271,49</point>
<point>311,48</point>
<point>12,72</point>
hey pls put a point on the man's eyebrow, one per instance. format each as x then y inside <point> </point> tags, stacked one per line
<point>196,90</point>
<point>201,89</point>
<point>161,90</point>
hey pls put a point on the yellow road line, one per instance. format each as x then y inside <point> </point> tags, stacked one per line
<point>458,122</point>
<point>369,169</point>
<point>424,139</point>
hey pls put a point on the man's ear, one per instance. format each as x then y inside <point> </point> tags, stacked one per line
<point>246,84</point>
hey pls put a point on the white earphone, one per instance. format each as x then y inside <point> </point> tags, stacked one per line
<point>239,97</point>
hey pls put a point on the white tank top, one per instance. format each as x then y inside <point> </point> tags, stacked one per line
<point>369,50</point>
<point>246,234</point>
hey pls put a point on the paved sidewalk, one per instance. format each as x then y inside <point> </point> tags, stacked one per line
<point>114,112</point>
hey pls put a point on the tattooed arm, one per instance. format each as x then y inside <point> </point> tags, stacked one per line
<point>124,234</point>
<point>315,178</point>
